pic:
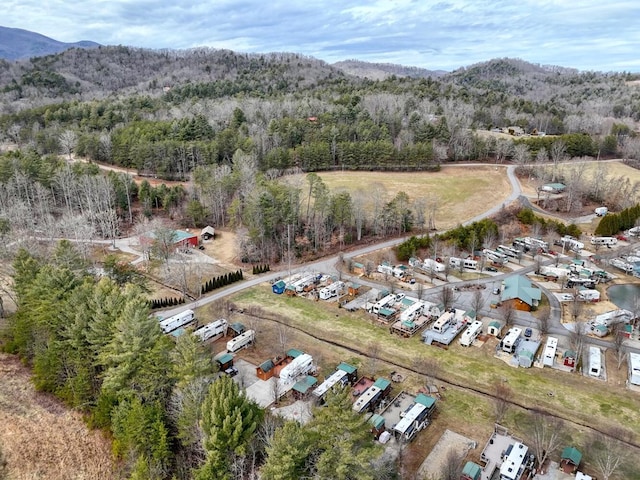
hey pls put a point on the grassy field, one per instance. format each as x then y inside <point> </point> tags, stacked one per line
<point>463,192</point>
<point>469,374</point>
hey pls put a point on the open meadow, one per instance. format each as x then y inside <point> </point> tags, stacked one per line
<point>462,191</point>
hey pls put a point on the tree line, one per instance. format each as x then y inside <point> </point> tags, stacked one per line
<point>94,345</point>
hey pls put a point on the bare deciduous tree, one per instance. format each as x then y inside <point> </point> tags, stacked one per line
<point>619,340</point>
<point>453,463</point>
<point>607,453</point>
<point>478,301</point>
<point>544,315</point>
<point>446,297</point>
<point>577,339</point>
<point>546,434</point>
<point>373,351</point>
<point>508,312</point>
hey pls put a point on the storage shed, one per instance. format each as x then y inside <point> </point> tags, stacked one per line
<point>570,460</point>
<point>495,328</point>
<point>208,232</point>
<point>569,358</point>
<point>265,370</point>
<point>235,329</point>
<point>377,425</point>
<point>278,287</point>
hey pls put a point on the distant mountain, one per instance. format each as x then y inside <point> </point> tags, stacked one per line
<point>16,43</point>
<point>380,71</point>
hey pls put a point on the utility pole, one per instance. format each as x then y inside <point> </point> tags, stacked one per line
<point>289,247</point>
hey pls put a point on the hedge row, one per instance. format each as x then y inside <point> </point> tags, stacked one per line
<point>221,281</point>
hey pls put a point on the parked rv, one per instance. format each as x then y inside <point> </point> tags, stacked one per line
<point>601,211</point>
<point>241,341</point>
<point>211,330</point>
<point>608,241</point>
<point>170,324</point>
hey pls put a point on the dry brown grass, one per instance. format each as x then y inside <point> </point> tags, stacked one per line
<point>41,439</point>
<point>463,191</point>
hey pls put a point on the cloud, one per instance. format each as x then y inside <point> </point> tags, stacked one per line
<point>589,35</point>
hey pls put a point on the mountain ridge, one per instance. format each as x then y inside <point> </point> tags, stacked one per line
<point>17,43</point>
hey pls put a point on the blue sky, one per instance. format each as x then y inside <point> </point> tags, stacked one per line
<point>583,34</point>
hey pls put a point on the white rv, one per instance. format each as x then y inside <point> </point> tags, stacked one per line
<point>509,251</point>
<point>385,302</point>
<point>431,265</point>
<point>571,243</point>
<point>601,211</point>
<point>176,321</point>
<point>412,312</point>
<point>331,290</point>
<point>300,365</point>
<point>471,333</point>
<point>550,352</point>
<point>241,341</point>
<point>595,361</point>
<point>495,257</point>
<point>445,320</point>
<point>211,330</point>
<point>609,241</point>
<point>510,341</point>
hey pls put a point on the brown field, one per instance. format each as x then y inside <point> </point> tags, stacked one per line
<point>463,191</point>
<point>42,439</point>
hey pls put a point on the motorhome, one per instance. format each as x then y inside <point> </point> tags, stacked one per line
<point>174,322</point>
<point>211,330</point>
<point>471,333</point>
<point>510,341</point>
<point>595,361</point>
<point>514,464</point>
<point>339,377</point>
<point>241,341</point>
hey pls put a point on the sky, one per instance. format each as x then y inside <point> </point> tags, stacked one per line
<point>591,35</point>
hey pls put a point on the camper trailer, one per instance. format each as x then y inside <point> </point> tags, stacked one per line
<point>331,290</point>
<point>509,251</point>
<point>170,324</point>
<point>601,211</point>
<point>471,333</point>
<point>445,320</point>
<point>384,303</point>
<point>431,265</point>
<point>608,241</point>
<point>595,361</point>
<point>511,339</point>
<point>241,341</point>
<point>300,365</point>
<point>385,268</point>
<point>550,352</point>
<point>469,263</point>
<point>412,312</point>
<point>211,330</point>
<point>571,243</point>
<point>495,257</point>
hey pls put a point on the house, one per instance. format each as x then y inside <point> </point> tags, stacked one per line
<point>495,328</point>
<point>570,460</point>
<point>278,287</point>
<point>208,232</point>
<point>179,239</point>
<point>520,292</point>
<point>569,358</point>
<point>303,387</point>
<point>471,471</point>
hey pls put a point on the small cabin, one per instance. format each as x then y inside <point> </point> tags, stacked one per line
<point>208,233</point>
<point>278,287</point>
<point>265,370</point>
<point>471,471</point>
<point>377,425</point>
<point>495,328</point>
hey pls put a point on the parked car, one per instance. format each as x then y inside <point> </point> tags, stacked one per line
<point>622,238</point>
<point>528,332</point>
<point>201,247</point>
<point>231,371</point>
<point>496,291</point>
<point>491,269</point>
